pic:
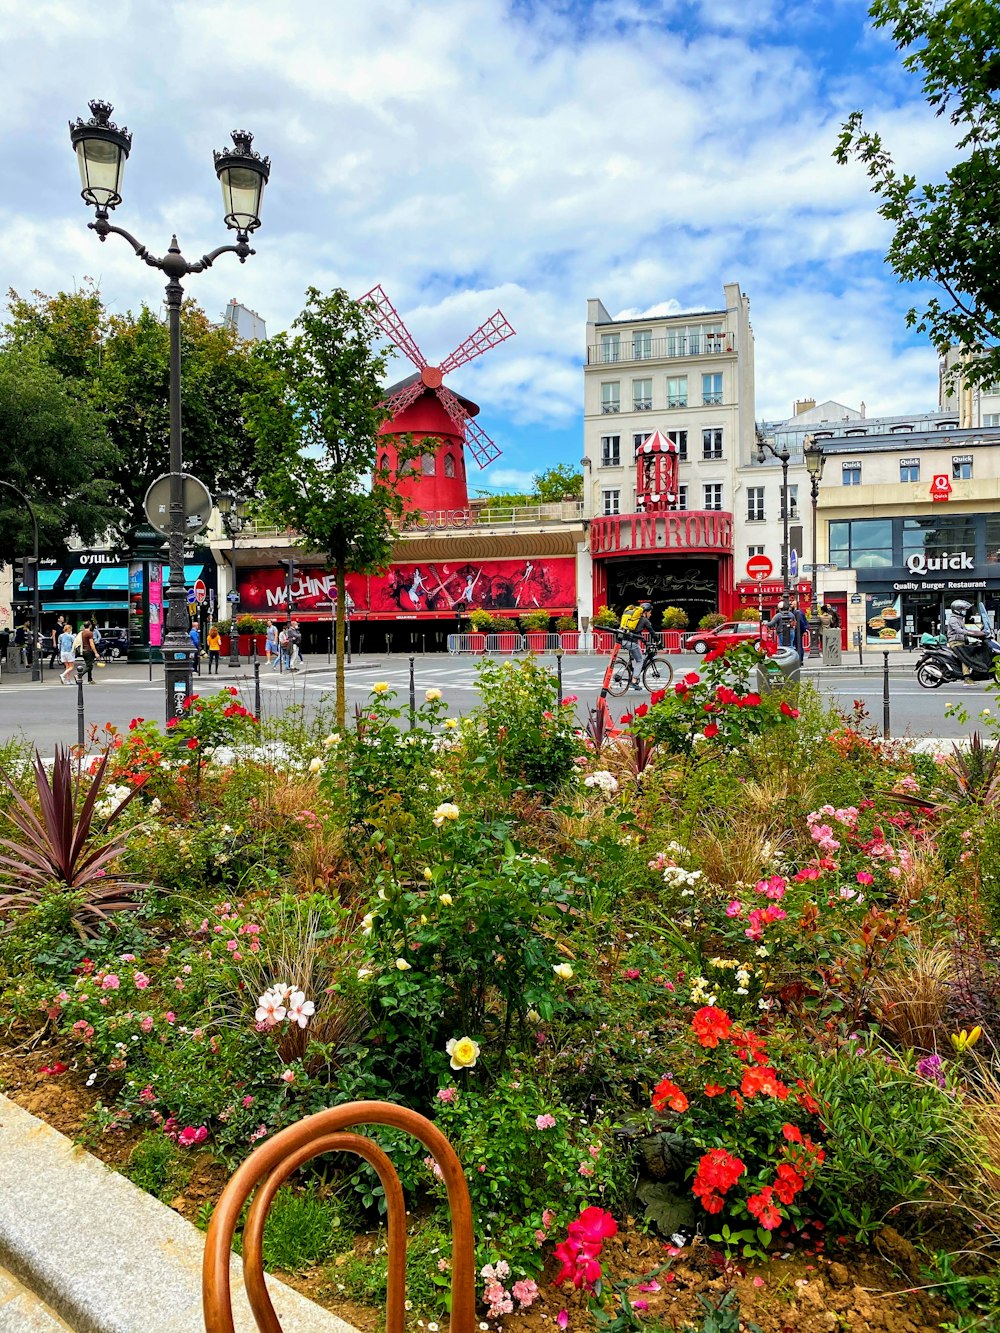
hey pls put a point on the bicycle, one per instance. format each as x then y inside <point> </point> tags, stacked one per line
<point>655,671</point>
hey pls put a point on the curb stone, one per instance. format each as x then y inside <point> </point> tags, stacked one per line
<point>102,1255</point>
<point>22,1312</point>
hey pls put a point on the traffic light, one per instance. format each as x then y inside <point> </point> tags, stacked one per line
<point>25,573</point>
<point>289,567</point>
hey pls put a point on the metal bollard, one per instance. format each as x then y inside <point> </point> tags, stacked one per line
<point>81,727</point>
<point>885,696</point>
<point>559,658</point>
<point>413,699</point>
<point>256,690</point>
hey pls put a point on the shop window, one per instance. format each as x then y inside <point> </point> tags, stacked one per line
<point>861,543</point>
<point>909,470</point>
<point>961,469</point>
<point>449,465</point>
<point>935,536</point>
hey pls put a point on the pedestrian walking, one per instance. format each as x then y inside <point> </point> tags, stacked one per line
<point>284,648</point>
<point>271,645</point>
<point>195,638</point>
<point>294,646</point>
<point>57,630</point>
<point>20,641</point>
<point>214,644</point>
<point>67,653</point>
<point>89,650</point>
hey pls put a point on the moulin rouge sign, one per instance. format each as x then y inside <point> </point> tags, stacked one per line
<point>698,530</point>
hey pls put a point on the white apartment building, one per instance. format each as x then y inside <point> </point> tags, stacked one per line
<point>691,377</point>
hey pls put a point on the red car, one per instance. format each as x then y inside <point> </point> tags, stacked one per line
<point>733,631</point>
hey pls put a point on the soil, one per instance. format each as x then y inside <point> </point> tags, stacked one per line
<point>821,1286</point>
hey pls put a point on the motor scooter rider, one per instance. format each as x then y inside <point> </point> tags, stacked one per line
<point>959,634</point>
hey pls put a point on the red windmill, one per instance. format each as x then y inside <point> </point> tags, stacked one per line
<point>423,406</point>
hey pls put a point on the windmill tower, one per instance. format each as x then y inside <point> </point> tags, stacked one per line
<point>422,405</point>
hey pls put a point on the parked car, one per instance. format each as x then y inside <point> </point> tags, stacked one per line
<point>733,631</point>
<point>114,642</point>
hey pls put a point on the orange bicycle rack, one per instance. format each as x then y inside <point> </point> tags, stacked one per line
<point>267,1169</point>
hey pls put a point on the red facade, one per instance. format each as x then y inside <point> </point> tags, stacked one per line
<point>435,480</point>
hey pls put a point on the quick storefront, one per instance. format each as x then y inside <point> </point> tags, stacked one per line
<point>909,570</point>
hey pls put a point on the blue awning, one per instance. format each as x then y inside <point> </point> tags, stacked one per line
<point>112,579</point>
<point>47,579</point>
<point>75,579</point>
<point>85,608</point>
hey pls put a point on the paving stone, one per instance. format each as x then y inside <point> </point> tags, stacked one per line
<point>102,1253</point>
<point>22,1312</point>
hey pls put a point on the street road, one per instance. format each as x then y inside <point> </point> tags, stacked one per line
<point>47,712</point>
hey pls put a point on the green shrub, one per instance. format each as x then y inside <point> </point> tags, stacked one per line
<point>604,618</point>
<point>534,622</point>
<point>674,617</point>
<point>157,1166</point>
<point>300,1231</point>
<point>518,732</point>
<point>711,620</point>
<point>565,624</point>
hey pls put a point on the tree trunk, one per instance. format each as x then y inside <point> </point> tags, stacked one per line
<point>341,576</point>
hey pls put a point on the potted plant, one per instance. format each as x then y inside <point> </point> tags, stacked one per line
<point>711,620</point>
<point>748,613</point>
<point>569,635</point>
<point>604,619</point>
<point>481,623</point>
<point>535,627</point>
<point>673,622</point>
<point>249,630</point>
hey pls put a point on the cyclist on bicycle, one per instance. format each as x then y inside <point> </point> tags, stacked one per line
<point>634,638</point>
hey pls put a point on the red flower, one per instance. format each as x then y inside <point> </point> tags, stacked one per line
<point>54,1069</point>
<point>808,872</point>
<point>714,1090</point>
<point>788,1183</point>
<point>763,1080</point>
<point>792,1133</point>
<point>136,722</point>
<point>711,731</point>
<point>668,1094</point>
<point>711,1025</point>
<point>788,710</point>
<point>642,710</point>
<point>748,701</point>
<point>657,697</point>
<point>805,1098</point>
<point>718,1171</point>
<point>192,744</point>
<point>761,1207</point>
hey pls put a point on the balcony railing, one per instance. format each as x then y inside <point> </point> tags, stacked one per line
<point>642,405</point>
<point>565,511</point>
<point>661,348</point>
<point>609,408</point>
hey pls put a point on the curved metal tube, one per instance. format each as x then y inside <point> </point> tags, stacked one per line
<point>268,1162</point>
<point>253,1228</point>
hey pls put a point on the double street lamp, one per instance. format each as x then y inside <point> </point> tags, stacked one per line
<point>101,150</point>
<point>765,447</point>
<point>815,458</point>
<point>234,517</point>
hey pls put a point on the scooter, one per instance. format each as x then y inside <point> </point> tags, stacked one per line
<point>941,665</point>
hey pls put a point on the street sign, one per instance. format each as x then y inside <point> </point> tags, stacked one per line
<point>817,569</point>
<point>233,598</point>
<point>759,567</point>
<point>196,502</point>
<point>190,596</point>
<point>793,564</point>
<point>200,591</point>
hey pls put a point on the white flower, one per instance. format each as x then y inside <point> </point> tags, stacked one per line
<point>606,781</point>
<point>364,973</point>
<point>563,971</point>
<point>300,1010</point>
<point>402,965</point>
<point>155,806</point>
<point>432,696</point>
<point>271,1008</point>
<point>330,741</point>
<point>367,921</point>
<point>444,811</point>
<point>315,765</point>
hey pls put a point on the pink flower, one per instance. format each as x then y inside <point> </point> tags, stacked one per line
<point>651,1285</point>
<point>548,1217</point>
<point>525,1291</point>
<point>864,877</point>
<point>247,1102</point>
<point>141,981</point>
<point>128,957</point>
<point>147,1095</point>
<point>110,982</point>
<point>232,945</point>
<point>189,1136</point>
<point>632,974</point>
<point>288,1076</point>
<point>640,1305</point>
<point>562,1319</point>
<point>585,1169</point>
<point>432,1165</point>
<point>170,1016</point>
<point>300,1010</point>
<point>545,1121</point>
<point>595,1150</point>
<point>735,908</point>
<point>271,1007</point>
<point>447,1094</point>
<point>146,1024</point>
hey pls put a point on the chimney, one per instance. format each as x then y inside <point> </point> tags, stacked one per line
<point>862,410</point>
<point>803,405</point>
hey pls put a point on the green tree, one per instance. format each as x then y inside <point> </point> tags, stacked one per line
<point>549,487</point>
<point>55,449</point>
<point>946,231</point>
<point>120,364</point>
<point>319,437</point>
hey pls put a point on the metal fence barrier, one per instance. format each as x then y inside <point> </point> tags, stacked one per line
<point>602,642</point>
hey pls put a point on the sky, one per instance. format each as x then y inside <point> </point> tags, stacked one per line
<point>470,154</point>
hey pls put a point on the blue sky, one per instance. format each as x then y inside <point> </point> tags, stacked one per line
<point>474,153</point>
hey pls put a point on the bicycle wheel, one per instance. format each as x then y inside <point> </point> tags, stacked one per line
<point>620,675</point>
<point>657,673</point>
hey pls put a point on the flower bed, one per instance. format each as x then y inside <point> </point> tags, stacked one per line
<point>700,1006</point>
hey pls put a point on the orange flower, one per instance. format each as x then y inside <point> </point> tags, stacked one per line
<point>668,1094</point>
<point>711,1025</point>
<point>763,1080</point>
<point>714,1090</point>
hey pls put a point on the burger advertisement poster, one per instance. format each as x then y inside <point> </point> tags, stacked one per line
<point>882,618</point>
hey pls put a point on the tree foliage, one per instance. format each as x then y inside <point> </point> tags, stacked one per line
<point>946,232</point>
<point>319,438</point>
<point>548,487</point>
<point>120,365</point>
<point>55,449</point>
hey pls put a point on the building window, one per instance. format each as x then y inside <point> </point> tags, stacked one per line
<point>851,474</point>
<point>713,495</point>
<point>642,395</point>
<point>961,469</point>
<point>611,451</point>
<point>449,465</point>
<point>383,463</point>
<point>900,430</point>
<point>755,504</point>
<point>793,503</point>
<point>427,465</point>
<point>909,469</point>
<point>754,550</point>
<point>942,534</point>
<point>642,344</point>
<point>858,430</point>
<point>947,425</point>
<point>711,442</point>
<point>711,389</point>
<point>677,391</point>
<point>679,438</point>
<point>611,502</point>
<point>611,397</point>
<point>861,543</point>
<point>991,418</point>
<point>611,347</point>
<point>682,497</point>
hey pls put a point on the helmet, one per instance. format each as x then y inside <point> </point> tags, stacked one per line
<point>646,605</point>
<point>961,606</point>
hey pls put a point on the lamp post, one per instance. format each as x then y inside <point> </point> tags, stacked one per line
<point>234,515</point>
<point>36,653</point>
<point>101,149</point>
<point>765,447</point>
<point>815,458</point>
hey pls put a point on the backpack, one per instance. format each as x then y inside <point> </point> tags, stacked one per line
<point>630,617</point>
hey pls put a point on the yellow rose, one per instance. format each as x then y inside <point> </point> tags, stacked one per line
<point>315,765</point>
<point>464,1052</point>
<point>444,811</point>
<point>563,971</point>
<point>451,723</point>
<point>330,741</point>
<point>432,696</point>
<point>428,874</point>
<point>445,899</point>
<point>380,687</point>
<point>402,965</point>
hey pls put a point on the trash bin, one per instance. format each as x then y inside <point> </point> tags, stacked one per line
<point>781,668</point>
<point>830,641</point>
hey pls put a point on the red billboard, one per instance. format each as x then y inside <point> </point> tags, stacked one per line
<point>422,589</point>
